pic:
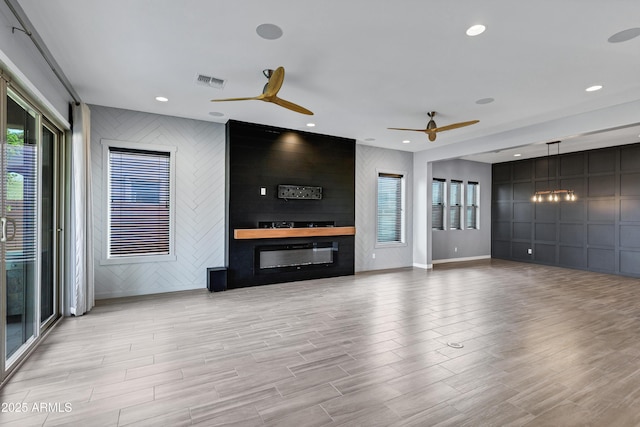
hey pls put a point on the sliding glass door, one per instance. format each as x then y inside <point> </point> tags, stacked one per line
<point>18,233</point>
<point>28,225</point>
<point>49,294</point>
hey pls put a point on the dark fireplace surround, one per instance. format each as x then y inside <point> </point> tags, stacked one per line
<point>291,205</point>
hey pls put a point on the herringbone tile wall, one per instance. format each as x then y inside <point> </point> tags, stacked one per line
<point>370,161</point>
<point>200,200</point>
<point>200,210</point>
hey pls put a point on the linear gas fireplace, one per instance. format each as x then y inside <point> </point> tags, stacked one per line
<point>293,257</point>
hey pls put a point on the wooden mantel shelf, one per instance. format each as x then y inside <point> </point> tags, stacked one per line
<point>279,233</point>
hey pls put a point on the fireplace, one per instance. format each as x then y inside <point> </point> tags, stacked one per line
<point>294,257</point>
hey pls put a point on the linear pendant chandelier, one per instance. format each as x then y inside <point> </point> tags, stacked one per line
<point>554,194</point>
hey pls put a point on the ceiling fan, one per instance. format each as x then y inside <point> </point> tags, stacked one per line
<point>270,92</point>
<point>432,128</point>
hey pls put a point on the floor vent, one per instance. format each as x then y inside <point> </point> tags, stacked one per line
<point>204,80</point>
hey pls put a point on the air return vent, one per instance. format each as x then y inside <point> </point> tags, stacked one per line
<point>204,80</point>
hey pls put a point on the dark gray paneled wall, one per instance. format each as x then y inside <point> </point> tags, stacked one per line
<point>598,232</point>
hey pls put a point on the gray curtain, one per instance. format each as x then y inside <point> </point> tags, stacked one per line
<point>80,283</point>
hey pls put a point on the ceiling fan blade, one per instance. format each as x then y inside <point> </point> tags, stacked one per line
<point>275,83</point>
<point>270,92</point>
<point>290,105</point>
<point>416,130</point>
<point>455,126</point>
<point>259,97</point>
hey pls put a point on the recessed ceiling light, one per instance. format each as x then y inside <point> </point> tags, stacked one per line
<point>369,139</point>
<point>485,101</point>
<point>269,31</point>
<point>161,99</point>
<point>216,114</point>
<point>517,155</point>
<point>593,88</point>
<point>406,141</point>
<point>310,125</point>
<point>624,35</point>
<point>475,30</point>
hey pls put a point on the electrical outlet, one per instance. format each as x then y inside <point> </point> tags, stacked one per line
<point>455,249</point>
<point>530,251</point>
<point>373,255</point>
<point>263,191</point>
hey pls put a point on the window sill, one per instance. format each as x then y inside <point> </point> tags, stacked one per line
<point>390,245</point>
<point>137,259</point>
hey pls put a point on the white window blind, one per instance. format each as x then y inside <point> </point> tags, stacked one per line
<point>437,204</point>
<point>21,183</point>
<point>471,216</point>
<point>455,201</point>
<point>390,208</point>
<point>139,202</point>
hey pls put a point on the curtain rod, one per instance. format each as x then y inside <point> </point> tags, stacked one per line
<point>29,30</point>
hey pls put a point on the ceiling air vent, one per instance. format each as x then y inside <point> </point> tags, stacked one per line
<point>204,80</point>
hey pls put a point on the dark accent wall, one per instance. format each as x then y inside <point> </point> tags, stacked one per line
<point>261,156</point>
<point>598,232</point>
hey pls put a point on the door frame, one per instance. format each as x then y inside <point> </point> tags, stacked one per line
<point>43,120</point>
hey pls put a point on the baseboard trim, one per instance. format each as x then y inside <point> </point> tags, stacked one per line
<point>469,258</point>
<point>423,266</point>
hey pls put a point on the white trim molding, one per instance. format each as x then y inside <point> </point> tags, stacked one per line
<point>469,258</point>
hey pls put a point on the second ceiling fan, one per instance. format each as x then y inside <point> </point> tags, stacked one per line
<point>432,128</point>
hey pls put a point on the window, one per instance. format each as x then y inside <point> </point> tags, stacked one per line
<point>437,204</point>
<point>390,208</point>
<point>139,202</point>
<point>455,201</point>
<point>472,196</point>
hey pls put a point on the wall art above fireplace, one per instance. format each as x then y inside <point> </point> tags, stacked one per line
<point>304,192</point>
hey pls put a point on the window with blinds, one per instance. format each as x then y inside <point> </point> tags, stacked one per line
<point>390,221</point>
<point>139,198</point>
<point>471,205</point>
<point>437,204</point>
<point>455,202</point>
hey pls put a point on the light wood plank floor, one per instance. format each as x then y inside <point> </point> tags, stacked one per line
<point>542,347</point>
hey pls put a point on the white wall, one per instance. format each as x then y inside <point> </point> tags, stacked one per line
<point>19,56</point>
<point>370,160</point>
<point>421,215</point>
<point>200,207</point>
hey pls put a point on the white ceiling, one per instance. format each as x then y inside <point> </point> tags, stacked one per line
<point>364,65</point>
